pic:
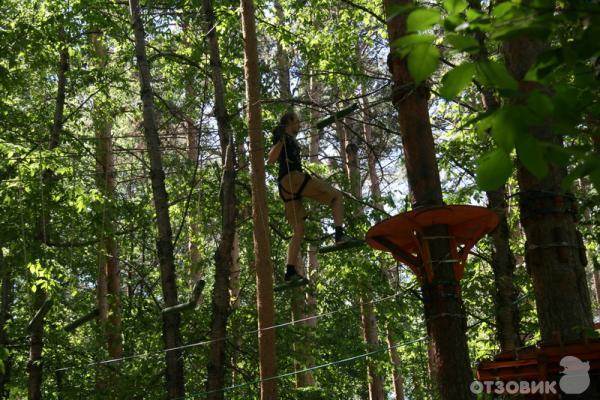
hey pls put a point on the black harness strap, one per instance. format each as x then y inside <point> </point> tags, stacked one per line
<point>295,196</point>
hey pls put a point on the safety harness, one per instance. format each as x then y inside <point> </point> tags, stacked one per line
<point>295,196</point>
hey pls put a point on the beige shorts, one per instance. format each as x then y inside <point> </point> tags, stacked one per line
<point>315,189</point>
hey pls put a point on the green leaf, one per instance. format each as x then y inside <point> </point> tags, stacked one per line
<point>508,123</point>
<point>502,9</point>
<point>455,6</point>
<point>422,18</point>
<point>494,74</point>
<point>540,103</point>
<point>423,61</point>
<point>493,170</point>
<point>531,154</point>
<point>451,22</point>
<point>394,10</point>
<point>456,80</point>
<point>462,43</point>
<point>412,39</point>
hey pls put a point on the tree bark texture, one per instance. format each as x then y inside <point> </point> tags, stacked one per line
<point>164,244</point>
<point>34,364</point>
<point>283,62</point>
<point>109,280</point>
<point>367,310</point>
<point>396,364</point>
<point>224,256</point>
<point>194,230</point>
<point>503,265</point>
<point>444,313</point>
<point>503,260</point>
<point>376,193</point>
<point>262,245</point>
<point>549,221</point>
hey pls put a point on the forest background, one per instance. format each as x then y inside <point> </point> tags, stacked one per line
<point>85,238</point>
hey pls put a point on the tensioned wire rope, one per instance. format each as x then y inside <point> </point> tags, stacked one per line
<point>205,342</point>
<point>296,372</point>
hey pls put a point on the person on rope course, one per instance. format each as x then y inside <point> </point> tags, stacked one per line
<point>295,184</point>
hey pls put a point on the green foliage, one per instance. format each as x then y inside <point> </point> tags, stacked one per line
<point>493,169</point>
<point>340,49</point>
<point>422,19</point>
<point>456,80</point>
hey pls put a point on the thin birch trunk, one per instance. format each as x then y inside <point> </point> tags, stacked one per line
<point>262,246</point>
<point>171,321</point>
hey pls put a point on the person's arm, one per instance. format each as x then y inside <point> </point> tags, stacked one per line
<point>274,153</point>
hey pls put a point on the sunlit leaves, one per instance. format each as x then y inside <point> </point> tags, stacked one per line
<point>456,80</point>
<point>421,19</point>
<point>455,6</point>
<point>423,61</point>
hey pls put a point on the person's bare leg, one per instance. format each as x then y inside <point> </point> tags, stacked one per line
<point>295,243</point>
<point>337,205</point>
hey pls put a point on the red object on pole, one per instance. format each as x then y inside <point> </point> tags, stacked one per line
<point>403,235</point>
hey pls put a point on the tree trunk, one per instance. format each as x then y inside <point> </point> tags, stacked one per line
<point>396,364</point>
<point>547,216</point>
<point>444,314</point>
<point>164,244</point>
<point>194,230</point>
<point>503,265</point>
<point>376,193</point>
<point>369,320</point>
<point>7,297</point>
<point>224,262</point>
<point>262,245</point>
<point>235,273</point>
<point>503,260</point>
<point>283,63</point>
<point>34,365</point>
<point>109,280</point>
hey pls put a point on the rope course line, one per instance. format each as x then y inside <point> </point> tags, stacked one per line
<point>205,342</point>
<point>320,366</point>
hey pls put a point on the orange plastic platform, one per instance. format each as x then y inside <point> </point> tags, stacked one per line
<point>539,363</point>
<point>403,235</point>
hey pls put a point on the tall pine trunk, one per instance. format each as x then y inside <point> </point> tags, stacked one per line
<point>262,245</point>
<point>444,313</point>
<point>558,272</point>
<point>503,261</point>
<point>164,243</point>
<point>224,261</point>
<point>376,194</point>
<point>109,281</point>
<point>34,365</point>
<point>367,310</point>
